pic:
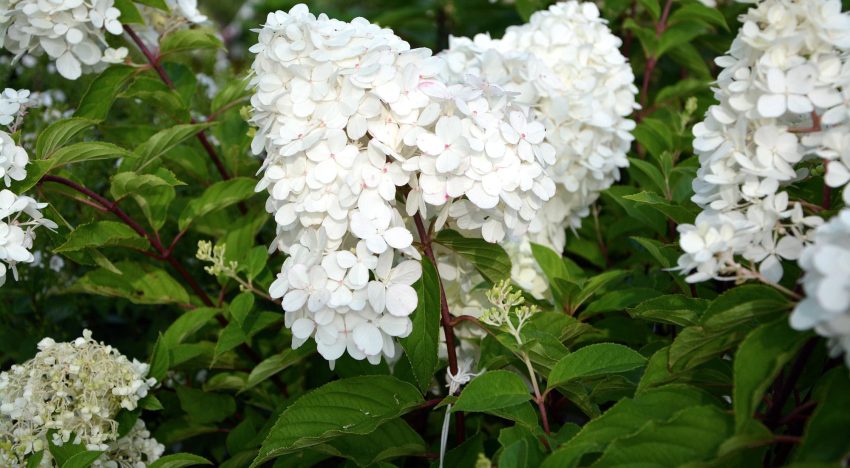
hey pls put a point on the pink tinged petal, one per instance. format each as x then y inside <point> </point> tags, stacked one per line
<point>368,338</point>
<point>377,296</point>
<point>294,300</point>
<point>771,105</point>
<point>303,328</point>
<point>398,237</point>
<point>430,144</point>
<point>401,300</point>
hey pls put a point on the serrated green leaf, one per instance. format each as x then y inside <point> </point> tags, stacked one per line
<point>58,134</point>
<point>82,459</point>
<point>758,361</point>
<point>101,234</point>
<point>825,437</point>
<point>129,12</point>
<point>390,440</point>
<point>153,193</point>
<point>186,325</point>
<point>205,407</point>
<point>188,39</point>
<point>163,141</point>
<point>678,213</point>
<point>492,390</point>
<point>179,460</point>
<point>691,435</point>
<point>358,405</point>
<point>97,101</point>
<point>140,284</point>
<point>699,12</point>
<point>595,360</point>
<point>274,365</point>
<point>674,309</point>
<point>490,260</point>
<point>85,152</point>
<point>626,417</point>
<point>217,196</point>
<point>421,346</point>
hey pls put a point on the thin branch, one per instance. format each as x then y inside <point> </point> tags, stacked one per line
<point>153,60</point>
<point>652,61</point>
<point>445,316</point>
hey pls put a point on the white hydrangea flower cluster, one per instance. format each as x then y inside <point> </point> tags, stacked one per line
<point>783,100</point>
<point>346,113</point>
<point>71,32</point>
<point>826,263</point>
<point>20,216</point>
<point>566,65</point>
<point>13,159</point>
<point>12,103</point>
<point>71,388</point>
<point>137,449</point>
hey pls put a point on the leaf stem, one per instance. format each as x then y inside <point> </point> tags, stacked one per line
<point>445,316</point>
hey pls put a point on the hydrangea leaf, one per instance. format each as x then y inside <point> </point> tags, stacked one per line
<point>492,390</point>
<point>595,360</point>
<point>358,405</point>
<point>490,260</point>
<point>179,460</point>
<point>421,346</point>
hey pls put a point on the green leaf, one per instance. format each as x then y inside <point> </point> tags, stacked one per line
<point>678,213</point>
<point>421,346</point>
<point>691,435</point>
<point>653,175</point>
<point>758,361</point>
<point>97,101</point>
<point>490,260</point>
<point>179,460</point>
<point>689,57</point>
<point>681,89</point>
<point>674,309</point>
<point>158,4</point>
<point>678,34</point>
<point>186,325</point>
<point>825,438</point>
<point>595,360</point>
<point>217,196</point>
<point>153,193</point>
<point>82,459</point>
<point>138,283</point>
<point>189,39</point>
<point>491,391</point>
<point>646,36</point>
<point>163,141</point>
<point>358,405</point>
<point>233,92</point>
<point>724,324</point>
<point>34,460</point>
<point>101,234</point>
<point>525,8</point>
<point>390,440</point>
<point>275,364</point>
<point>588,288</point>
<point>87,151</point>
<point>555,267</point>
<point>129,12</point>
<point>654,135</point>
<point>205,407</point>
<point>701,13</point>
<point>58,134</point>
<point>627,417</point>
<point>653,7</point>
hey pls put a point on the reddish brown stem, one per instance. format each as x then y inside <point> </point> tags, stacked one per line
<point>153,60</point>
<point>445,316</point>
<point>651,62</point>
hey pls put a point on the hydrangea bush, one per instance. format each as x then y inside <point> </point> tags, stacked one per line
<point>433,233</point>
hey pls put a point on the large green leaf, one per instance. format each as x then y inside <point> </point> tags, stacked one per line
<point>626,417</point>
<point>85,152</point>
<point>390,440</point>
<point>205,407</point>
<point>593,361</point>
<point>188,39</point>
<point>758,361</point>
<point>674,309</point>
<point>217,196</point>
<point>491,391</point>
<point>138,283</point>
<point>490,260</point>
<point>102,234</point>
<point>179,460</point>
<point>97,101</point>
<point>421,346</point>
<point>153,193</point>
<point>275,364</point>
<point>58,134</point>
<point>825,438</point>
<point>691,435</point>
<point>358,405</point>
<point>163,141</point>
